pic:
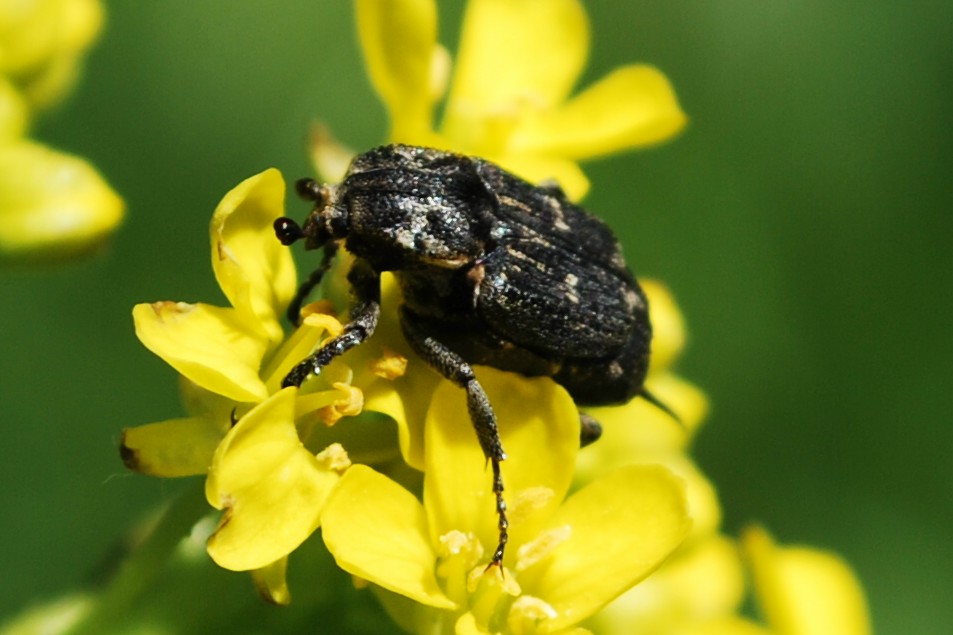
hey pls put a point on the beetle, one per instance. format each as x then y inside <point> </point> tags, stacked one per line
<point>492,270</point>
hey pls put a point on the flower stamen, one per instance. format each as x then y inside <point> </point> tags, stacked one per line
<point>535,550</point>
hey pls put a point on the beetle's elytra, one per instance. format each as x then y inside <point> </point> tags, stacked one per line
<point>492,269</point>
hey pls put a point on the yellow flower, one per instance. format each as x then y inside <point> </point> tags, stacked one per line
<point>222,351</point>
<point>699,585</point>
<point>52,205</point>
<point>42,44</point>
<point>702,583</point>
<point>700,588</point>
<point>14,113</point>
<point>511,96</point>
<point>565,558</point>
<point>246,433</point>
<point>804,591</point>
<point>641,432</point>
<point>271,487</point>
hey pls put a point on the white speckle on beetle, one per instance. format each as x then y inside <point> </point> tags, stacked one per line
<point>404,238</point>
<point>633,301</point>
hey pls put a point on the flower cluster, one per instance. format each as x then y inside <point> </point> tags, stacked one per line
<point>510,98</point>
<point>623,536</point>
<point>52,205</point>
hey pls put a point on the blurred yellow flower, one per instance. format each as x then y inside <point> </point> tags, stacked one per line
<point>43,43</point>
<point>804,591</point>
<point>53,206</point>
<point>510,99</point>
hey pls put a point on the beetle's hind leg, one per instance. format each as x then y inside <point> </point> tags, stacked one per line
<point>589,430</point>
<point>453,367</point>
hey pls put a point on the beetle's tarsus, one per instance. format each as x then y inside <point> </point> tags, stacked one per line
<point>502,522</point>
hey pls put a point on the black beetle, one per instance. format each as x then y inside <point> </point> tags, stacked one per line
<point>492,269</point>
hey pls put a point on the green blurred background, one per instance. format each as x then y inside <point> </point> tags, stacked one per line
<point>802,220</point>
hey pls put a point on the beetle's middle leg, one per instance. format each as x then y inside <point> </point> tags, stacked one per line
<point>454,368</point>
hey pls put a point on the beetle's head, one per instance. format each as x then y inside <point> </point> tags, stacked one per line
<point>327,221</point>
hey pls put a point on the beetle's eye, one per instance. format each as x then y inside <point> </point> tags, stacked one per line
<point>287,230</point>
<point>309,189</point>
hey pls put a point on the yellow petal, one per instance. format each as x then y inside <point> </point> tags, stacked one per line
<point>405,612</point>
<point>13,112</point>
<point>467,624</point>
<point>539,426</point>
<point>53,82</point>
<point>82,20</point>
<point>329,156</point>
<point>271,582</point>
<point>631,432</point>
<point>313,331</point>
<point>697,585</point>
<point>537,169</point>
<point>36,31</point>
<point>52,205</point>
<point>805,591</point>
<point>703,506</point>
<point>377,530</point>
<point>623,527</point>
<point>708,578</point>
<point>254,269</point>
<point>399,41</point>
<point>515,54</point>
<point>723,626</point>
<point>631,107</point>
<point>271,488</point>
<point>177,447</point>
<point>44,43</point>
<point>684,398</point>
<point>406,398</point>
<point>668,325</point>
<point>211,346</point>
<point>29,36</point>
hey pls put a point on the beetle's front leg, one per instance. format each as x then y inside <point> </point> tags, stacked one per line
<point>366,285</point>
<point>453,367</point>
<point>294,308</point>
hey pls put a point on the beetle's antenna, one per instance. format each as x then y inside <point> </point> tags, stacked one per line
<point>655,401</point>
<point>309,189</point>
<point>287,230</point>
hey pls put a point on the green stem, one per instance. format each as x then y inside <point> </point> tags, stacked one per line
<point>141,566</point>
